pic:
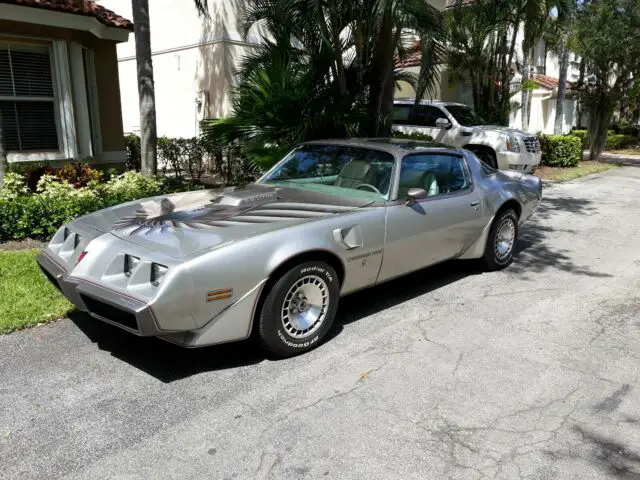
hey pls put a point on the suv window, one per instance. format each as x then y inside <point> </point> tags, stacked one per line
<point>426,115</point>
<point>421,115</point>
<point>438,174</point>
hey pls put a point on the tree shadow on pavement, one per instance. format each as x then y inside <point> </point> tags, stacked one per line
<point>610,456</point>
<point>535,251</point>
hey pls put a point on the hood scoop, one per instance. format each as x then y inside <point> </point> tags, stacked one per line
<point>246,198</point>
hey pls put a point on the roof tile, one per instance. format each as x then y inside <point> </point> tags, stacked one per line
<point>87,8</point>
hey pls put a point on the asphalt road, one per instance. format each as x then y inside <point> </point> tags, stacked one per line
<point>532,372</point>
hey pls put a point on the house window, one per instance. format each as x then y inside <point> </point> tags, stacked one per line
<point>27,99</point>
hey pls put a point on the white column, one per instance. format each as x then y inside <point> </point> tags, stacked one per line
<point>65,99</point>
<point>78,82</point>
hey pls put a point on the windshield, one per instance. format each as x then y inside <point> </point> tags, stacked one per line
<point>335,169</point>
<point>465,115</point>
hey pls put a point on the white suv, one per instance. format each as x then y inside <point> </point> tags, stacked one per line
<point>457,125</point>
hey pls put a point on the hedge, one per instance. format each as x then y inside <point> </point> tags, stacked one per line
<point>615,142</point>
<point>561,150</point>
<point>411,136</point>
<point>582,135</point>
<point>39,214</point>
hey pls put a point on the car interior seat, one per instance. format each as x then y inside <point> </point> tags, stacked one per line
<point>354,173</point>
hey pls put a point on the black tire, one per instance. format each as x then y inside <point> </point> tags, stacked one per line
<point>493,259</point>
<point>280,335</point>
<point>487,156</point>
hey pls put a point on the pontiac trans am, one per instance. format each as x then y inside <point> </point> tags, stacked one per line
<point>273,258</point>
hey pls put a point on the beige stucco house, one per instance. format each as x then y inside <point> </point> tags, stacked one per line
<point>193,62</point>
<point>59,89</point>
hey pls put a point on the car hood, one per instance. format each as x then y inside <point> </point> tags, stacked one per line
<point>500,129</point>
<point>182,224</point>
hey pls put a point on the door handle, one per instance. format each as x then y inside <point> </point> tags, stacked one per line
<point>475,203</point>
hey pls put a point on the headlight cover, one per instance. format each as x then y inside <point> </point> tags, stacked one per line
<point>157,273</point>
<point>130,264</point>
<point>513,144</point>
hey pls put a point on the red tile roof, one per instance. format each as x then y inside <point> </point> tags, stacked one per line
<point>412,60</point>
<point>87,8</point>
<point>548,82</point>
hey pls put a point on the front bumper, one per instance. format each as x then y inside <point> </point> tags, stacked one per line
<point>521,161</point>
<point>104,304</point>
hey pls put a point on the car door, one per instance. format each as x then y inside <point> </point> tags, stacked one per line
<point>439,227</point>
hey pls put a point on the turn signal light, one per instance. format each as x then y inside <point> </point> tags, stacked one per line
<point>81,256</point>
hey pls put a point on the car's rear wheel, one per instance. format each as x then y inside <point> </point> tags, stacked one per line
<point>501,241</point>
<point>299,309</point>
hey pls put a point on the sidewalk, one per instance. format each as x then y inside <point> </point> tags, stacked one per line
<point>628,160</point>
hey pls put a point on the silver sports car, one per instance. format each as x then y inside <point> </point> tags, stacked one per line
<point>332,217</point>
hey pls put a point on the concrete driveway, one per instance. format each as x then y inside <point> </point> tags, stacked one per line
<point>531,373</point>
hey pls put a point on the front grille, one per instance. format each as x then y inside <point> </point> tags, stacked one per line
<point>532,144</point>
<point>109,312</point>
<point>51,278</point>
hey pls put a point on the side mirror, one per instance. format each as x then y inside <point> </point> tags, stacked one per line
<point>443,123</point>
<point>415,194</point>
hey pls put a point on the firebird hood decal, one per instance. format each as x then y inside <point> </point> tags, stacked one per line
<point>182,224</point>
<point>163,218</point>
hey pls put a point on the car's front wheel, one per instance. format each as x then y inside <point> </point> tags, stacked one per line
<point>501,241</point>
<point>299,309</point>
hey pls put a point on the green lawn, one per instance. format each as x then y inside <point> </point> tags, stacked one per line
<point>564,174</point>
<point>26,297</point>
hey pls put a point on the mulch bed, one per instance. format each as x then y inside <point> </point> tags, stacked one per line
<point>28,244</point>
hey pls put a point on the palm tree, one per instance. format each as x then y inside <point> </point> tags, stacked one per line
<point>560,39</point>
<point>481,51</point>
<point>328,67</point>
<point>535,17</point>
<point>533,14</point>
<point>146,93</point>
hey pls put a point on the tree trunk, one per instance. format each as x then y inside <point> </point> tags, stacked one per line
<point>506,86</point>
<point>600,114</point>
<point>624,101</point>
<point>382,73</point>
<point>525,91</point>
<point>583,67</point>
<point>562,86</point>
<point>4,163</point>
<point>146,94</point>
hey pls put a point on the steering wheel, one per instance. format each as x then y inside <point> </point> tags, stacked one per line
<point>369,186</point>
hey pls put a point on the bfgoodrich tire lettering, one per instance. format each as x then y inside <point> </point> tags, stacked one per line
<point>501,241</point>
<point>299,309</point>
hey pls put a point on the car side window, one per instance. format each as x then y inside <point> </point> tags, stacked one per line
<point>426,115</point>
<point>401,114</point>
<point>437,174</point>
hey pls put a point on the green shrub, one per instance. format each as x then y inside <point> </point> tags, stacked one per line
<point>132,146</point>
<point>626,129</point>
<point>615,142</point>
<point>39,214</point>
<point>561,150</point>
<point>411,136</point>
<point>129,186</point>
<point>582,135</point>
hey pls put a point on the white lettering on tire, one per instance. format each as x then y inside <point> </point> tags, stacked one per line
<point>297,345</point>
<point>318,270</point>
